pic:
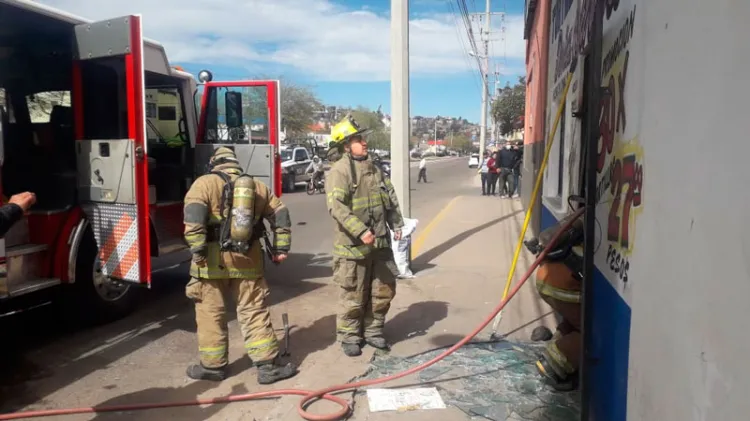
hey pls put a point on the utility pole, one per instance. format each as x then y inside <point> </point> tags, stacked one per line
<point>496,96</point>
<point>400,119</point>
<point>485,80</point>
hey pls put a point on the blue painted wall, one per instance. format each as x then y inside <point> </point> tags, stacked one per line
<point>610,346</point>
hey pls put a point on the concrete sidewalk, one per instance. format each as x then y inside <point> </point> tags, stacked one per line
<point>461,272</point>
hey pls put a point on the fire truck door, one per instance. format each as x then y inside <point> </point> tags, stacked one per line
<point>243,115</point>
<point>111,145</point>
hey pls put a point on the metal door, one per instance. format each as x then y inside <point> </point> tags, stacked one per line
<point>111,147</point>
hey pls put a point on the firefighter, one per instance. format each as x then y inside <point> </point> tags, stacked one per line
<point>364,206</point>
<point>558,281</point>
<point>216,273</point>
<point>560,360</point>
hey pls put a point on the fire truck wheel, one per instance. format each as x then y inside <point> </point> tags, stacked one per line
<point>101,298</point>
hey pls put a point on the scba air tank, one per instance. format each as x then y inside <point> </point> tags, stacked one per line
<point>243,205</point>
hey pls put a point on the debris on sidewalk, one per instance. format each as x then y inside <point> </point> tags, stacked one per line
<point>404,399</point>
<point>494,380</point>
<point>401,248</point>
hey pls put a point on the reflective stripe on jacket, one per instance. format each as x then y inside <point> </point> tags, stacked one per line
<point>371,204</point>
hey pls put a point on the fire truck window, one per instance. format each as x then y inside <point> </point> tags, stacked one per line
<point>150,110</point>
<point>254,118</point>
<point>163,114</point>
<point>41,104</point>
<point>168,113</point>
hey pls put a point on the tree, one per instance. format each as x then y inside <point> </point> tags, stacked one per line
<point>380,138</point>
<point>299,105</point>
<point>462,142</point>
<point>510,105</point>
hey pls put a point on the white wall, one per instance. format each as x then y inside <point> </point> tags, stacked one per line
<point>691,269</point>
<point>681,261</point>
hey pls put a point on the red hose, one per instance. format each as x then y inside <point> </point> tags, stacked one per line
<point>308,396</point>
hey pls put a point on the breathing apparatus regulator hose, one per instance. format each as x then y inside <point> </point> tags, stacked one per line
<point>309,396</point>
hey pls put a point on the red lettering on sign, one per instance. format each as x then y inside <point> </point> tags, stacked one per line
<point>621,120</point>
<point>613,223</point>
<point>624,171</point>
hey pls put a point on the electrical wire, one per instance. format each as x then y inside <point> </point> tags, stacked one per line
<point>310,396</point>
<point>465,55</point>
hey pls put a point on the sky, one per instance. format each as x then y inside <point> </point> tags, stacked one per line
<point>339,48</point>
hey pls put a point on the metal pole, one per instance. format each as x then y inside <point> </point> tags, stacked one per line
<point>593,88</point>
<point>400,119</point>
<point>485,81</point>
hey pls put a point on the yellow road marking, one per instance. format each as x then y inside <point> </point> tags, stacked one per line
<point>417,244</point>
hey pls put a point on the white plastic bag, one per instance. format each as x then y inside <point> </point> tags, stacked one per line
<point>401,248</point>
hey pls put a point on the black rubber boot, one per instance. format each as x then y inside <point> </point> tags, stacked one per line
<point>378,342</point>
<point>198,372</point>
<point>270,372</point>
<point>351,350</point>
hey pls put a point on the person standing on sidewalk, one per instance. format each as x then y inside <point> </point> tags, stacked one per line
<point>484,170</point>
<point>493,174</point>
<point>217,272</point>
<point>517,169</point>
<point>364,206</point>
<point>506,159</point>
<point>422,170</point>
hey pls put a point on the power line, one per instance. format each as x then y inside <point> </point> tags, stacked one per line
<point>465,54</point>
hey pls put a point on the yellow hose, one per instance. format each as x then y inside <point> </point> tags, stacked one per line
<point>534,194</point>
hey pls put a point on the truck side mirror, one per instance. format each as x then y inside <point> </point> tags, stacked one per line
<point>233,107</point>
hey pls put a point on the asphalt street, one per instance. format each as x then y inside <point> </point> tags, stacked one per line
<point>50,364</point>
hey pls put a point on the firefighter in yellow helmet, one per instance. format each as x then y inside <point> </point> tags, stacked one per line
<point>221,268</point>
<point>364,206</point>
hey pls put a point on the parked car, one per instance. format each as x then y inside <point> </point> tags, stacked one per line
<point>294,162</point>
<point>474,160</point>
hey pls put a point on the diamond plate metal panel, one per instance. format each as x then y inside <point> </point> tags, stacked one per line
<point>115,228</point>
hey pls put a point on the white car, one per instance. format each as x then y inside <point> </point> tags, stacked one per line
<point>474,160</point>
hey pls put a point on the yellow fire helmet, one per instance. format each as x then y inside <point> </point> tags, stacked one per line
<point>345,129</point>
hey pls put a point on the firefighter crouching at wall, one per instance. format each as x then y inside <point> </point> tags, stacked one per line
<point>238,272</point>
<point>558,281</point>
<point>363,204</point>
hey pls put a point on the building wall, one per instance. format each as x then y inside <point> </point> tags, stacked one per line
<point>537,51</point>
<point>672,274</point>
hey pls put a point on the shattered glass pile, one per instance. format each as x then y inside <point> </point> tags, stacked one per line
<point>495,381</point>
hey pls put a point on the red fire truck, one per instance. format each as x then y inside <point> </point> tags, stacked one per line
<point>77,131</point>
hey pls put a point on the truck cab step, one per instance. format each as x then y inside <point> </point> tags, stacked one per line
<point>23,270</point>
<point>24,249</point>
<point>29,286</point>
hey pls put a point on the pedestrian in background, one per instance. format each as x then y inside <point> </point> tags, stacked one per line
<point>506,159</point>
<point>484,170</point>
<point>493,174</point>
<point>517,168</point>
<point>422,171</point>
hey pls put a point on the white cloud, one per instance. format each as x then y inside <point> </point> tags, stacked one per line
<point>318,37</point>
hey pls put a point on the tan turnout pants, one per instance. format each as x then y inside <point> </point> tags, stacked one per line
<point>367,287</point>
<point>253,317</point>
<point>562,292</point>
